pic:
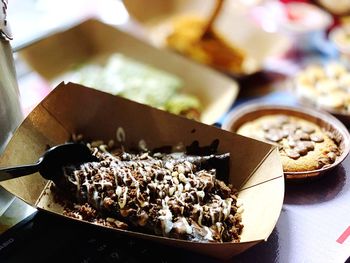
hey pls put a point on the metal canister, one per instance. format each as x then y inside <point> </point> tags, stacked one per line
<point>10,108</point>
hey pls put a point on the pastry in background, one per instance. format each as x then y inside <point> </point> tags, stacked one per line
<point>186,38</point>
<point>327,87</point>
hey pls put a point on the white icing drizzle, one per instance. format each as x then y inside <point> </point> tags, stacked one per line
<point>95,199</point>
<point>118,191</point>
<point>199,208</point>
<point>182,226</point>
<point>209,234</point>
<point>226,207</point>
<point>122,201</point>
<point>175,184</point>
<point>120,134</point>
<point>166,217</point>
<point>142,145</point>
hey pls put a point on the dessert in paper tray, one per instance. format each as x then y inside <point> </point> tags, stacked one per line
<point>202,213</point>
<point>103,57</point>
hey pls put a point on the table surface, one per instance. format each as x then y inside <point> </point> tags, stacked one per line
<point>314,225</point>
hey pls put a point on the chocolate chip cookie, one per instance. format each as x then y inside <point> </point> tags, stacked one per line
<point>303,145</point>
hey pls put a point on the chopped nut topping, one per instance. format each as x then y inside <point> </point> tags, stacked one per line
<point>165,194</point>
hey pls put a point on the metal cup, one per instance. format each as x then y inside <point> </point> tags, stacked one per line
<point>10,108</point>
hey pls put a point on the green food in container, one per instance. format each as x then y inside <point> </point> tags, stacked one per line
<point>123,76</point>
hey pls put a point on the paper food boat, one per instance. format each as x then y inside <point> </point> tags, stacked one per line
<point>233,22</point>
<point>255,167</point>
<point>90,40</point>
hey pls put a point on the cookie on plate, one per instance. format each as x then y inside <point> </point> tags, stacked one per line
<point>303,145</point>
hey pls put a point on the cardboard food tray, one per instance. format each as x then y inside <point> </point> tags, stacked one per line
<point>255,167</point>
<point>58,53</point>
<point>233,23</point>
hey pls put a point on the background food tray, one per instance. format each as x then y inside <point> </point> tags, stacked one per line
<point>54,55</point>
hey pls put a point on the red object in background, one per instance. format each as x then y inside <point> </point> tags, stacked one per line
<point>344,236</point>
<point>291,16</point>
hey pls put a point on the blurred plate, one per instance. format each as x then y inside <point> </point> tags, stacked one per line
<point>252,111</point>
<point>157,18</point>
<point>306,24</point>
<point>342,116</point>
<point>54,56</point>
<point>336,7</point>
<point>324,87</point>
